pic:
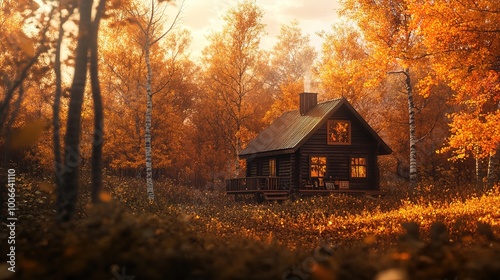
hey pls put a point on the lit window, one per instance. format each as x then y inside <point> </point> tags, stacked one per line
<point>358,167</point>
<point>318,169</point>
<point>339,132</point>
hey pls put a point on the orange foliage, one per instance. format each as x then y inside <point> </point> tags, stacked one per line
<point>463,36</point>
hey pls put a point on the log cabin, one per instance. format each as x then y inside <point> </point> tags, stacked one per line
<point>320,148</point>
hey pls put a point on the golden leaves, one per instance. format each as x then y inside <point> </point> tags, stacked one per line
<point>473,134</point>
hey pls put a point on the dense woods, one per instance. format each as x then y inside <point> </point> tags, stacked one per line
<point>429,86</point>
<point>103,101</point>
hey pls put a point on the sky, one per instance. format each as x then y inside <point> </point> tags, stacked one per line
<point>202,17</point>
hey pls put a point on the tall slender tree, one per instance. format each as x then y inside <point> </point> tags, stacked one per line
<point>389,30</point>
<point>68,191</point>
<point>151,20</point>
<point>56,106</point>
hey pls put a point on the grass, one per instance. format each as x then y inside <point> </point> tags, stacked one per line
<point>437,232</point>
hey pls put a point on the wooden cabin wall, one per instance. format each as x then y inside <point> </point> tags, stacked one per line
<point>295,170</point>
<point>259,166</point>
<point>251,168</point>
<point>339,156</point>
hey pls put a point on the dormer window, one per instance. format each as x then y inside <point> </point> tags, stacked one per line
<point>339,132</point>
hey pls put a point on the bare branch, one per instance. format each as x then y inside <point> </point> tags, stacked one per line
<point>174,22</point>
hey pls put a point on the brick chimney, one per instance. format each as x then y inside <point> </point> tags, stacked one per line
<point>307,101</point>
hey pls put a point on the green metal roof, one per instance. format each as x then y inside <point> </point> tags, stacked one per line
<point>287,133</point>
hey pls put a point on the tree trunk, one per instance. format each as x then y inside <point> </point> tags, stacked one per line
<point>480,172</point>
<point>493,176</point>
<point>147,132</point>
<point>56,108</point>
<point>98,139</point>
<point>493,168</point>
<point>412,124</point>
<point>237,169</point>
<point>67,193</point>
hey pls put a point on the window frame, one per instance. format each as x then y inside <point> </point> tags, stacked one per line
<point>321,179</point>
<point>355,166</point>
<point>328,140</point>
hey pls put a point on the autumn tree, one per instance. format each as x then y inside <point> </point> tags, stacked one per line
<point>234,77</point>
<point>465,42</point>
<point>21,53</point>
<point>342,68</point>
<point>87,30</point>
<point>123,74</point>
<point>291,61</point>
<point>151,20</point>
<point>24,41</point>
<point>64,15</point>
<point>389,31</point>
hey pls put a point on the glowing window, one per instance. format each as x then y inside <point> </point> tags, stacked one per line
<point>339,132</point>
<point>318,167</point>
<point>358,167</point>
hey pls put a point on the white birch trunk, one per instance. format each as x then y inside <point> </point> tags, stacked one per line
<point>147,131</point>
<point>412,124</point>
<point>493,169</point>
<point>479,176</point>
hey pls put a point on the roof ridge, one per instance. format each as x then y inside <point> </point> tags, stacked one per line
<point>330,100</point>
<point>319,103</point>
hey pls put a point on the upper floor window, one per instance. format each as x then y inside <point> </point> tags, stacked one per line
<point>339,132</point>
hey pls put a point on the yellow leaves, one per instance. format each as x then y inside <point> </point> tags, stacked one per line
<point>473,134</point>
<point>427,85</point>
<point>29,134</point>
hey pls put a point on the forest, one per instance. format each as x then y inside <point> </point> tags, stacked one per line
<point>116,141</point>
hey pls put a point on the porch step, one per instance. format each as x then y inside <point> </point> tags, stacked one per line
<point>275,196</point>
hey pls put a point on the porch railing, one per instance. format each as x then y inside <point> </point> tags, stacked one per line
<point>259,183</point>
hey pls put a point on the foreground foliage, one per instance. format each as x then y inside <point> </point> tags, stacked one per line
<point>438,233</point>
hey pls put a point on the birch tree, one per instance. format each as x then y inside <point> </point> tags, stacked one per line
<point>151,21</point>
<point>464,36</point>
<point>391,33</point>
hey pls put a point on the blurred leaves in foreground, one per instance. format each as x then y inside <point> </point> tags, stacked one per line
<point>193,234</point>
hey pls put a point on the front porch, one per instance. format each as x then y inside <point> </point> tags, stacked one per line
<point>267,188</point>
<point>257,184</point>
<point>279,187</point>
